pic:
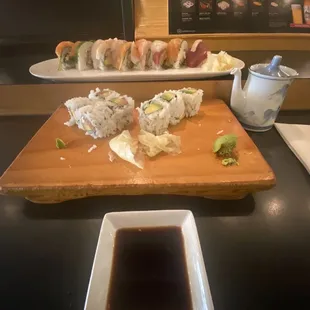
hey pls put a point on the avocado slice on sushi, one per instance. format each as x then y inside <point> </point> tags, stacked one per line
<point>189,91</point>
<point>168,96</point>
<point>153,107</point>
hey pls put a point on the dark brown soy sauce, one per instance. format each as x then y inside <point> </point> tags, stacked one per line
<point>149,270</point>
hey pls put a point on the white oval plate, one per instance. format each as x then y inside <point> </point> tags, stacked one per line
<point>48,70</point>
<point>100,276</point>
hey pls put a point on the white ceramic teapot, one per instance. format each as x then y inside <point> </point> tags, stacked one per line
<point>258,103</point>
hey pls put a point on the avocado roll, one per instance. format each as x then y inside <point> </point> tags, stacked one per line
<point>175,103</point>
<point>192,98</point>
<point>154,116</point>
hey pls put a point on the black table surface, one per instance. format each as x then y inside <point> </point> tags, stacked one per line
<point>256,250</point>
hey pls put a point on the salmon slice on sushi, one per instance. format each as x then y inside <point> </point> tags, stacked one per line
<point>176,53</point>
<point>122,56</point>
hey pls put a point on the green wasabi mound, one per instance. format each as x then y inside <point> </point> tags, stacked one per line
<point>224,145</point>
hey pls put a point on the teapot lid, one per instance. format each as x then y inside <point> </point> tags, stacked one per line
<point>273,69</point>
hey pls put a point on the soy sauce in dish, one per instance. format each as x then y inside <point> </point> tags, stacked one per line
<point>149,270</point>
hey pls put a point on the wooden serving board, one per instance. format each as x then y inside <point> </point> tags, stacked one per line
<point>40,175</point>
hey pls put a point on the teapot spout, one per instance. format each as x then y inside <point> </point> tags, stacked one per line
<point>237,100</point>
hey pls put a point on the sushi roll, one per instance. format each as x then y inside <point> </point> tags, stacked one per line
<point>197,55</point>
<point>122,56</point>
<point>192,100</point>
<point>94,53</point>
<point>73,105</point>
<point>140,54</point>
<point>158,54</point>
<point>63,52</point>
<point>174,100</point>
<point>104,94</point>
<point>176,53</point>
<point>154,116</point>
<point>122,108</point>
<point>104,55</point>
<point>97,120</point>
<point>84,60</point>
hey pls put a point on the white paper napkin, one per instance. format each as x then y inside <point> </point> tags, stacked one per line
<point>297,137</point>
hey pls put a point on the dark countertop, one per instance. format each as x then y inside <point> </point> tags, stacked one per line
<point>256,250</point>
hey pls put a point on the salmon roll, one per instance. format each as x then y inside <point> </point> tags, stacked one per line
<point>63,52</point>
<point>176,53</point>
<point>192,99</point>
<point>140,54</point>
<point>104,55</point>
<point>122,57</point>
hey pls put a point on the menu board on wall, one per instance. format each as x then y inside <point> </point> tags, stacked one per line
<point>212,16</point>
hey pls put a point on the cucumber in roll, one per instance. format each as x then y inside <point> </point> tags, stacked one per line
<point>84,59</point>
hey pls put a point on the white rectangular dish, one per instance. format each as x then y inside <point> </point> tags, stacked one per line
<point>100,276</point>
<point>49,70</point>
